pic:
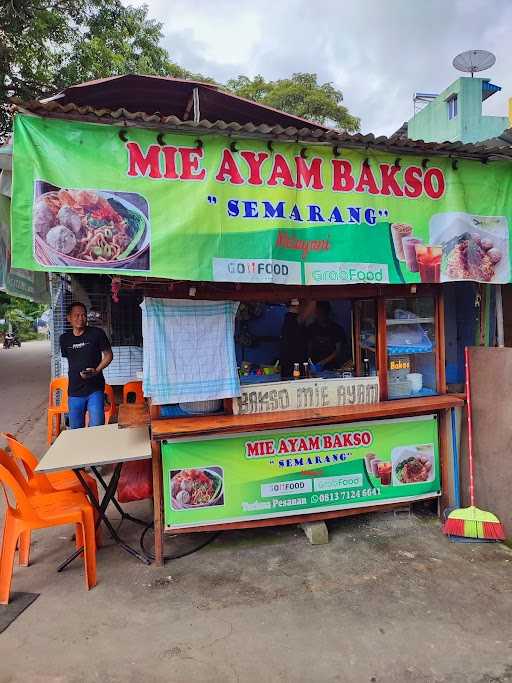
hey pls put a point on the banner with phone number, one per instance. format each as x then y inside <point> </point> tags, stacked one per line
<point>88,201</point>
<point>283,473</point>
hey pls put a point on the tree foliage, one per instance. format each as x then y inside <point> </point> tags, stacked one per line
<point>46,45</point>
<point>21,314</point>
<point>301,95</point>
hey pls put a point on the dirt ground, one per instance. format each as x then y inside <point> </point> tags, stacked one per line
<point>388,599</point>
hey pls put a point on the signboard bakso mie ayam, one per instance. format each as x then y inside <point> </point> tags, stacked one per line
<point>223,479</point>
<point>84,200</point>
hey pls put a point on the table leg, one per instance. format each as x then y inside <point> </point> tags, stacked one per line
<point>109,490</point>
<point>115,502</point>
<point>101,509</point>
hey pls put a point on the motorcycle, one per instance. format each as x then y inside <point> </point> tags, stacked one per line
<point>11,340</point>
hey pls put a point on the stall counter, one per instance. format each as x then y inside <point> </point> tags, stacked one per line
<point>216,424</point>
<point>210,429</point>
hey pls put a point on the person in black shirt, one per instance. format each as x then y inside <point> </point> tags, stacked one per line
<point>88,352</point>
<point>294,340</point>
<point>328,347</point>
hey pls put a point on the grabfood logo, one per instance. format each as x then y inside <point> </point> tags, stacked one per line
<point>256,270</point>
<point>345,273</point>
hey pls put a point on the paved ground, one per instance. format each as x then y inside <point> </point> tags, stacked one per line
<point>24,377</point>
<point>389,599</point>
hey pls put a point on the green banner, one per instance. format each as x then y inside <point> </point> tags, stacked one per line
<point>92,198</point>
<point>277,474</point>
<point>21,283</point>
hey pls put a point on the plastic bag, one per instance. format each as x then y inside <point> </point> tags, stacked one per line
<point>407,335</point>
<point>135,482</point>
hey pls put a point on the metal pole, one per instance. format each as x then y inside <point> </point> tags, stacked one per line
<point>197,110</point>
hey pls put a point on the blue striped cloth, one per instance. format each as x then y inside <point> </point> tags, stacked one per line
<point>189,350</point>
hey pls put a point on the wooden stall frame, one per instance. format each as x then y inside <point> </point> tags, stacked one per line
<point>228,423</point>
<point>158,502</point>
<point>295,519</point>
<point>440,344</point>
<point>444,431</point>
<point>215,291</point>
<point>163,429</point>
<point>356,332</point>
<point>381,347</point>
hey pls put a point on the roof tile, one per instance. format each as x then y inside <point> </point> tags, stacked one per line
<point>395,143</point>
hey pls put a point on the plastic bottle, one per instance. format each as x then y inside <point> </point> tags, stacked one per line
<point>296,371</point>
<point>366,367</point>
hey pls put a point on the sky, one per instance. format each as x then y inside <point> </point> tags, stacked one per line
<point>377,52</point>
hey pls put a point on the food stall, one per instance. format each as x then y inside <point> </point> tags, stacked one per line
<point>316,448</point>
<point>201,217</point>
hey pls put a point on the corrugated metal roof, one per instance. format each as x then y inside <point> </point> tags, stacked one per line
<point>395,144</point>
<point>504,138</point>
<point>174,96</point>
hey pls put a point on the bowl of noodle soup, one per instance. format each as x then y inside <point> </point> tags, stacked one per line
<point>196,488</point>
<point>91,229</point>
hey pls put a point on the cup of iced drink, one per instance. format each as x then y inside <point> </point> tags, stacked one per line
<point>384,473</point>
<point>429,262</point>
<point>398,232</point>
<point>409,247</point>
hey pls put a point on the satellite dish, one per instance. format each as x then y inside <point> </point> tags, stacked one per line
<point>472,61</point>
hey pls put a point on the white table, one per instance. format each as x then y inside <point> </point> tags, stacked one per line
<point>91,447</point>
<point>94,446</point>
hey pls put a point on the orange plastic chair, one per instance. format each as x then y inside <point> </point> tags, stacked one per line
<point>54,482</point>
<point>55,411</point>
<point>40,511</point>
<point>133,388</point>
<point>46,483</point>
<point>110,407</point>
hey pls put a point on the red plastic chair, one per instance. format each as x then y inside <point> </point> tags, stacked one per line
<point>55,412</point>
<point>135,389</point>
<point>40,511</point>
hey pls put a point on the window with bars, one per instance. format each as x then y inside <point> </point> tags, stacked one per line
<point>452,103</point>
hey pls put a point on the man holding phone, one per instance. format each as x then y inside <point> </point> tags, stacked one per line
<point>88,352</point>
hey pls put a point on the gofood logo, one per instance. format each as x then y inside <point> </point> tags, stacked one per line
<point>256,270</point>
<point>343,273</point>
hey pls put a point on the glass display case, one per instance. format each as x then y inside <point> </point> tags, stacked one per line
<point>398,338</point>
<point>411,347</point>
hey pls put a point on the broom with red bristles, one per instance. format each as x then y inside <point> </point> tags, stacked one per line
<point>472,522</point>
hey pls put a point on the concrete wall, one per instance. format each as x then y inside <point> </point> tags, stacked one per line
<point>433,125</point>
<point>474,126</point>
